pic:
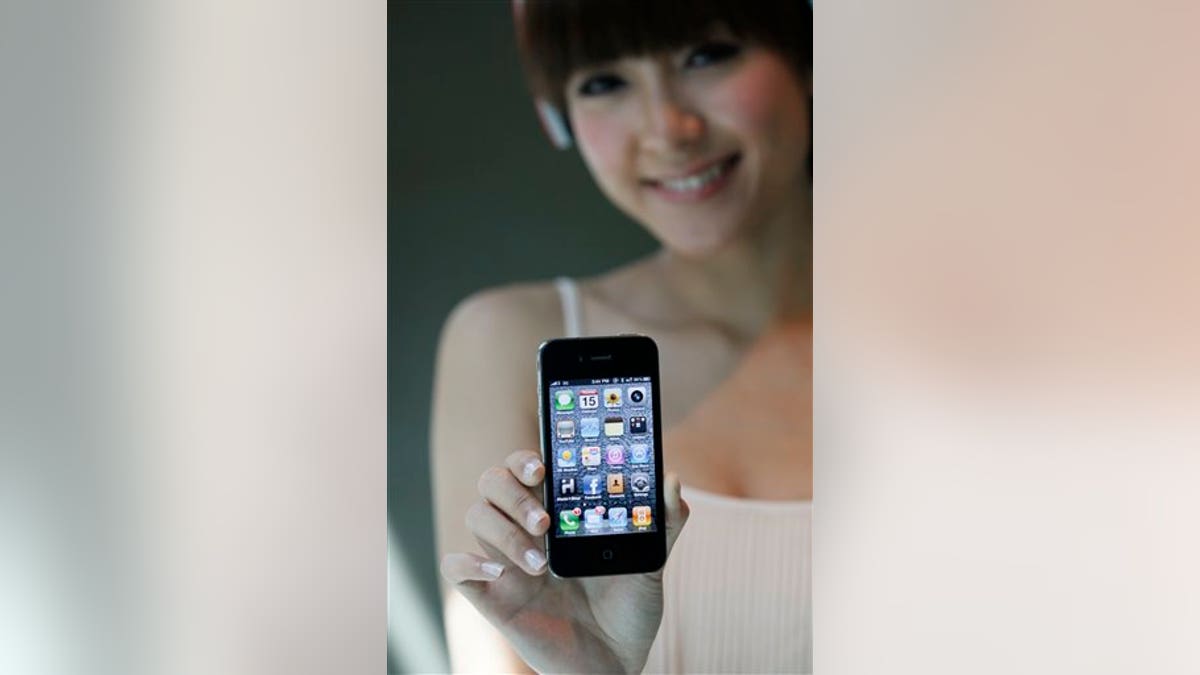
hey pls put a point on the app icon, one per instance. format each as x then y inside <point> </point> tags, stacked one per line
<point>566,457</point>
<point>589,399</point>
<point>637,395</point>
<point>589,427</point>
<point>616,483</point>
<point>564,400</point>
<point>641,516</point>
<point>637,425</point>
<point>592,520</point>
<point>591,485</point>
<point>639,483</point>
<point>614,426</point>
<point>617,518</point>
<point>566,428</point>
<point>612,397</point>
<point>566,486</point>
<point>639,453</point>
<point>590,455</point>
<point>568,521</point>
<point>615,454</point>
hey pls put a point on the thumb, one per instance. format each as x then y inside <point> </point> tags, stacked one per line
<point>677,510</point>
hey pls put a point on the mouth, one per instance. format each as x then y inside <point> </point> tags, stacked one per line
<point>700,183</point>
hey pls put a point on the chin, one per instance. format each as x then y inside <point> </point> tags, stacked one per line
<point>698,243</point>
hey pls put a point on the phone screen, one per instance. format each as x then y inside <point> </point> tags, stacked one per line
<point>602,431</point>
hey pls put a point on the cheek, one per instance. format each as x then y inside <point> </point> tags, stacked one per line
<point>764,102</point>
<point>602,143</point>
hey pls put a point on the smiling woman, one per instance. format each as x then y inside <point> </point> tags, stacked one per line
<point>697,104</point>
<point>693,119</point>
<point>700,150</point>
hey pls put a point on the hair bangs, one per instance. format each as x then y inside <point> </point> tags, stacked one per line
<point>558,37</point>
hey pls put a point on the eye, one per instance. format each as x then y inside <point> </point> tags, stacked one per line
<point>600,84</point>
<point>710,53</point>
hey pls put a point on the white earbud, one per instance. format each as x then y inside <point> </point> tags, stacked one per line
<point>555,124</point>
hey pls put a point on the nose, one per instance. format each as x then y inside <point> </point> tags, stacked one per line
<point>670,123</point>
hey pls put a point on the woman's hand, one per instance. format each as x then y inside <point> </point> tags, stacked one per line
<point>558,625</point>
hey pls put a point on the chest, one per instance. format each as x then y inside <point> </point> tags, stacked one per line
<point>735,423</point>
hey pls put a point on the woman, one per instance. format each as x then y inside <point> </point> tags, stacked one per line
<point>694,119</point>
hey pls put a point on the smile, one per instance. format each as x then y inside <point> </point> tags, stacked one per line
<point>698,184</point>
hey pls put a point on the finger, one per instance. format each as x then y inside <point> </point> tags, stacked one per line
<point>500,487</point>
<point>461,567</point>
<point>493,528</point>
<point>496,554</point>
<point>677,510</point>
<point>527,466</point>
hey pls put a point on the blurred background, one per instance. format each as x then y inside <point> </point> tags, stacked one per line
<point>230,231</point>
<point>477,197</point>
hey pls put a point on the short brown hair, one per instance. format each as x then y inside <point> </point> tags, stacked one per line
<point>557,37</point>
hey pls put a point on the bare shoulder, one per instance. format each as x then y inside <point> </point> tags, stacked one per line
<point>485,378</point>
<point>505,321</point>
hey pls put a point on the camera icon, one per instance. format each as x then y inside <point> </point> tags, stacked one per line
<point>637,395</point>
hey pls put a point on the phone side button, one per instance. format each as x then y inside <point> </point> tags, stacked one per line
<point>607,554</point>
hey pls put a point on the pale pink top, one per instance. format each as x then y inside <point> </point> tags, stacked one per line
<point>737,587</point>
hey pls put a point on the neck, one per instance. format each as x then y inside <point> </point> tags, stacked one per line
<point>765,276</point>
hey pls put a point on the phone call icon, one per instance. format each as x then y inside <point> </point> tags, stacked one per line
<point>568,521</point>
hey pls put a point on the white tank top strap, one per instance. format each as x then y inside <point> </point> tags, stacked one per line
<point>568,292</point>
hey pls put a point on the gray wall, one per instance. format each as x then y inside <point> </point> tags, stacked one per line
<point>477,197</point>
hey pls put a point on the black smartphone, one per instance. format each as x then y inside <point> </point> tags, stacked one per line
<point>602,446</point>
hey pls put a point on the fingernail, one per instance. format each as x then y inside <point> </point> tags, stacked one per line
<point>530,467</point>
<point>492,569</point>
<point>533,520</point>
<point>535,559</point>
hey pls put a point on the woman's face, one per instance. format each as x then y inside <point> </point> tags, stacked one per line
<point>701,146</point>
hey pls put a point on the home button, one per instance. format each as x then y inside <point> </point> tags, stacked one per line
<point>607,554</point>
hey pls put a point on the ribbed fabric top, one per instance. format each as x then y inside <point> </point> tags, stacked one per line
<point>737,587</point>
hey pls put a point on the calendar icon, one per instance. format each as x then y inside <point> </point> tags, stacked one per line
<point>589,399</point>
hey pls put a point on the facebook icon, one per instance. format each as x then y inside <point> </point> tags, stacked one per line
<point>592,485</point>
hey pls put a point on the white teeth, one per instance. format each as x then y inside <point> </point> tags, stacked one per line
<point>697,181</point>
